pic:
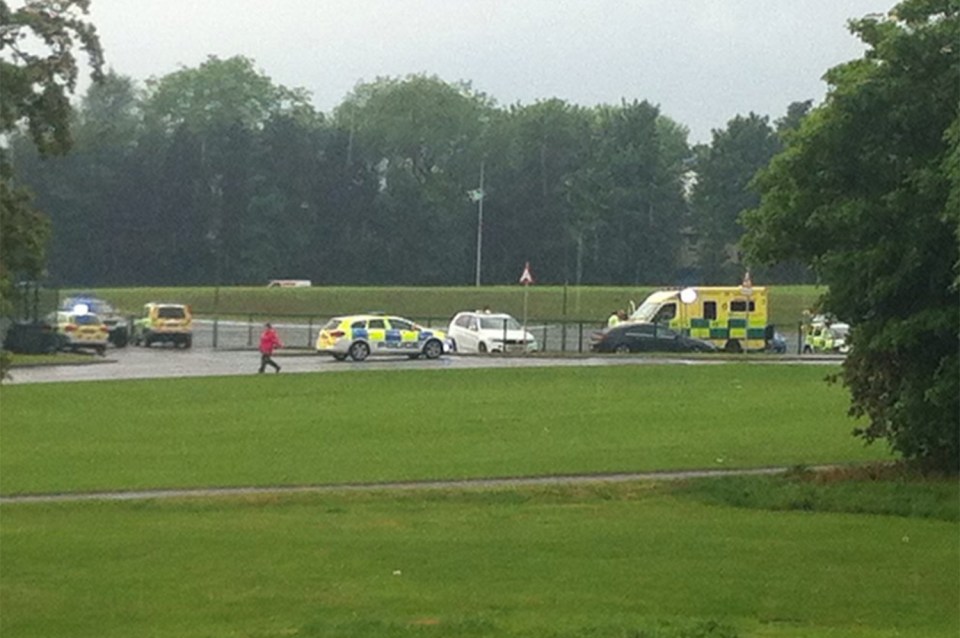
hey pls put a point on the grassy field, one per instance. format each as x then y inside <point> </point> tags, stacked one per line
<point>379,426</point>
<point>621,560</point>
<point>584,303</point>
<point>850,553</point>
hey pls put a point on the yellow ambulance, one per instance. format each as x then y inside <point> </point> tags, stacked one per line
<point>733,318</point>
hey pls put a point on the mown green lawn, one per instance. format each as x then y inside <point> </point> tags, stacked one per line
<point>618,560</point>
<point>369,426</point>
<point>797,556</point>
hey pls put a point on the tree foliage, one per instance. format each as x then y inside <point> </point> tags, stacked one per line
<point>38,68</point>
<point>724,171</point>
<point>38,71</point>
<point>177,184</point>
<point>867,193</point>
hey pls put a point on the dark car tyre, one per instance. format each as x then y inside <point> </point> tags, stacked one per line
<point>622,349</point>
<point>119,337</point>
<point>482,348</point>
<point>433,349</point>
<point>340,357</point>
<point>359,351</point>
<point>732,346</point>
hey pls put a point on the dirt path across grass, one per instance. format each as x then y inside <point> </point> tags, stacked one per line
<point>479,483</point>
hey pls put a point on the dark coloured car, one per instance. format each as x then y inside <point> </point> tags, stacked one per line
<point>777,343</point>
<point>646,337</point>
<point>34,337</point>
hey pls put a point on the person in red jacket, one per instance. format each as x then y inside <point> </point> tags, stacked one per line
<point>269,341</point>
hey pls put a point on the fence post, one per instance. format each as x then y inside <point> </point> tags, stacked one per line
<point>249,330</point>
<point>309,331</point>
<point>580,338</point>
<point>503,349</point>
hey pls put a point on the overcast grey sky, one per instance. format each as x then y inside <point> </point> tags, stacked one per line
<point>701,61</point>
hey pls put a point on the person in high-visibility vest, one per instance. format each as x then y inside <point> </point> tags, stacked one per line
<point>614,319</point>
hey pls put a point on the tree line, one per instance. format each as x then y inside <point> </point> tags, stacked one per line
<point>215,174</point>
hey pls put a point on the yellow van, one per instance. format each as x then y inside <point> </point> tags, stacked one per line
<point>164,323</point>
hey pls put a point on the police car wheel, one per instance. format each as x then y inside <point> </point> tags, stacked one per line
<point>482,348</point>
<point>359,351</point>
<point>432,349</point>
<point>119,337</point>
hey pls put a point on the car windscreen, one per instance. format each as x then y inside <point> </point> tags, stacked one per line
<point>646,311</point>
<point>171,312</point>
<point>85,320</point>
<point>497,323</point>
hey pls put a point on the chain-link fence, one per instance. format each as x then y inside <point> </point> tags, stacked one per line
<point>300,332</point>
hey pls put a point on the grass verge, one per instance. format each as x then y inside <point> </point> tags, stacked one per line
<point>57,359</point>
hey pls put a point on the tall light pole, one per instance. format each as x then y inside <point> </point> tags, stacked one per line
<point>216,192</point>
<point>478,196</point>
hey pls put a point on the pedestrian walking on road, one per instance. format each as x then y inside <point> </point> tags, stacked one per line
<point>269,341</point>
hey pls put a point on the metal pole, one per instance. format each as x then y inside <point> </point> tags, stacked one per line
<point>216,311</point>
<point>526,290</point>
<point>480,226</point>
<point>216,297</point>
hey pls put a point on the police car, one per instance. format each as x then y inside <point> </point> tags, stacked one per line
<point>80,328</point>
<point>360,336</point>
<point>111,317</point>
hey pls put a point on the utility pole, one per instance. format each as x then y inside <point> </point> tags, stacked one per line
<point>479,197</point>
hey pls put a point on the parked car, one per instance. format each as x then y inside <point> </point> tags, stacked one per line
<point>646,337</point>
<point>34,337</point>
<point>110,316</point>
<point>777,343</point>
<point>82,330</point>
<point>164,323</point>
<point>482,332</point>
<point>826,337</point>
<point>360,336</point>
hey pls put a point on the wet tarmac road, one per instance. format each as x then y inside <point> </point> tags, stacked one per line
<point>169,362</point>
